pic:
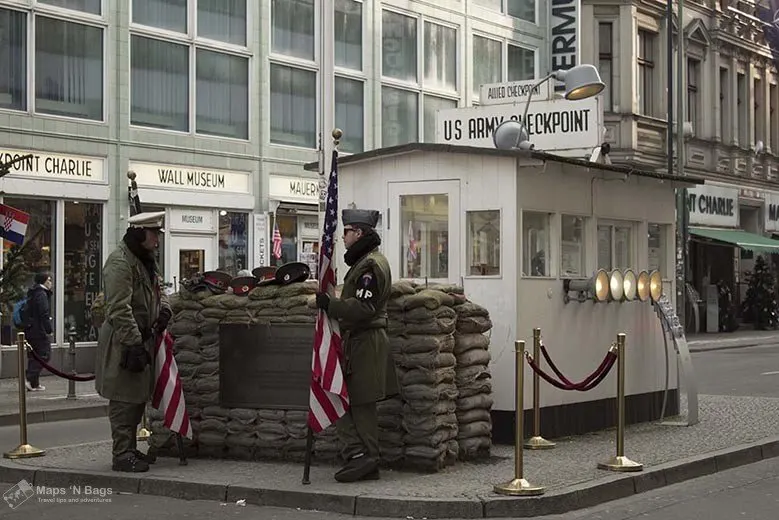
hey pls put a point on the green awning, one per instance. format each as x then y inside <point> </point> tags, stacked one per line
<point>742,239</point>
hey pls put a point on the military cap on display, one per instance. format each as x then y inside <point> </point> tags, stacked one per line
<point>292,272</point>
<point>243,272</point>
<point>243,284</point>
<point>265,275</point>
<point>148,220</point>
<point>217,279</point>
<point>365,217</point>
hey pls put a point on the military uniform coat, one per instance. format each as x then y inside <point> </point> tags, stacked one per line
<point>361,311</point>
<point>132,303</point>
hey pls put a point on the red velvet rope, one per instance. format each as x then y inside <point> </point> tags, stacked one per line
<point>603,374</point>
<point>564,379</point>
<point>588,384</point>
<point>72,377</point>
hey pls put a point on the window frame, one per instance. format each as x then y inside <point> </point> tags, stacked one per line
<point>613,223</point>
<point>646,40</point>
<point>417,87</point>
<point>504,59</point>
<point>466,240</point>
<point>193,43</point>
<point>586,260</point>
<point>552,263</point>
<point>31,9</point>
<point>610,57</point>
<point>504,11</point>
<point>344,71</point>
<point>694,91</point>
<point>667,272</point>
<point>338,75</point>
<point>355,75</point>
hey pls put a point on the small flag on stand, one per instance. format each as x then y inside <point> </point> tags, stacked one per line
<point>276,240</point>
<point>168,394</point>
<point>14,224</point>
<point>329,398</point>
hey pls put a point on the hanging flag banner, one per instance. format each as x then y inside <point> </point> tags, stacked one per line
<point>553,125</point>
<point>508,92</point>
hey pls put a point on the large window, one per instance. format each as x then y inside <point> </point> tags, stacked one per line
<point>522,9</point>
<point>483,242</point>
<point>424,224</point>
<point>489,62</point>
<point>348,34</point>
<point>693,99</point>
<point>408,43</point>
<point>573,247</point>
<point>615,245</point>
<point>350,113</point>
<point>646,72</point>
<point>535,243</point>
<point>162,81</point>
<point>83,266</point>
<point>233,242</point>
<point>38,256</point>
<point>606,62</point>
<point>67,57</point>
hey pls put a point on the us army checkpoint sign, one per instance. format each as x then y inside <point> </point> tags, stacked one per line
<point>554,125</point>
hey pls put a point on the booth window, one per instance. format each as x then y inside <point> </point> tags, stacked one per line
<point>424,231</point>
<point>535,243</point>
<point>615,246</point>
<point>83,266</point>
<point>38,256</point>
<point>233,241</point>
<point>657,237</point>
<point>483,243</point>
<point>573,252</point>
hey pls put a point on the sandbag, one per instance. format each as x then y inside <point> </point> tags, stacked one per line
<point>301,318</point>
<point>472,446</point>
<point>256,305</point>
<point>477,401</point>
<point>224,301</point>
<point>474,357</point>
<point>308,309</point>
<point>443,407</point>
<point>185,315</point>
<point>466,342</point>
<point>425,376</point>
<point>393,406</point>
<point>214,313</point>
<point>270,415</point>
<point>208,340</point>
<point>468,309</point>
<point>297,289</point>
<point>238,317</point>
<point>445,288</point>
<point>428,423</point>
<point>432,327</point>
<point>425,298</point>
<point>180,328</point>
<point>473,415</point>
<point>207,369</point>
<point>436,438</point>
<point>423,314</point>
<point>466,375</point>
<point>473,324</point>
<point>425,452</point>
<point>420,344</point>
<point>211,438</point>
<point>213,425</point>
<point>475,429</point>
<point>291,301</point>
<point>418,394</point>
<point>480,386</point>
<point>264,292</point>
<point>183,304</point>
<point>431,360</point>
<point>401,288</point>
<point>188,357</point>
<point>210,353</point>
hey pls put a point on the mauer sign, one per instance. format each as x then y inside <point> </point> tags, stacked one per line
<point>564,35</point>
<point>552,125</point>
<point>509,92</point>
<point>713,205</point>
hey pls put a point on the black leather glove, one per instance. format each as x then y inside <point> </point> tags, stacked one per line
<point>162,320</point>
<point>135,358</point>
<point>322,301</point>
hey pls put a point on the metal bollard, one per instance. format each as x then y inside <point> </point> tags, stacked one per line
<point>24,450</point>
<point>620,462</point>
<point>72,356</point>
<point>536,442</point>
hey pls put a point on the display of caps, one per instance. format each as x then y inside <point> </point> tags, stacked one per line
<point>217,279</point>
<point>292,272</point>
<point>243,284</point>
<point>264,273</point>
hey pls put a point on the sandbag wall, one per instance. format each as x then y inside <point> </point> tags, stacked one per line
<point>440,350</point>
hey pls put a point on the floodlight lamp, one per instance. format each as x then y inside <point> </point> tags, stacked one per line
<point>601,291</point>
<point>655,285</point>
<point>642,286</point>
<point>594,288</point>
<point>629,283</point>
<point>616,285</point>
<point>581,82</point>
<point>510,135</point>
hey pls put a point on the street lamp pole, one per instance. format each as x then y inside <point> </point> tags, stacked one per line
<point>681,193</point>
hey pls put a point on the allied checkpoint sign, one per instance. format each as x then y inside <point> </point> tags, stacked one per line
<point>514,92</point>
<point>555,126</point>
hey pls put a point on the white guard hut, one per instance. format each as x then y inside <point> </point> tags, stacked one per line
<point>511,227</point>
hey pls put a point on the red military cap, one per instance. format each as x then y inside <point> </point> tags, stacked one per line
<point>243,284</point>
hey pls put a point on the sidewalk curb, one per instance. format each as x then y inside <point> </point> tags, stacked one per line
<point>728,344</point>
<point>57,414</point>
<point>579,496</point>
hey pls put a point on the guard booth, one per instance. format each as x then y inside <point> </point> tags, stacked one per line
<point>518,230</point>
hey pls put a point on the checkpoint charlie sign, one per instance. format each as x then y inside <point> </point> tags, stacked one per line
<point>712,205</point>
<point>553,125</point>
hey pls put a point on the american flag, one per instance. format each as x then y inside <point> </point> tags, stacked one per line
<point>276,240</point>
<point>168,395</point>
<point>412,243</point>
<point>329,399</point>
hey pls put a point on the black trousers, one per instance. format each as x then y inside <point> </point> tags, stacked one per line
<point>42,347</point>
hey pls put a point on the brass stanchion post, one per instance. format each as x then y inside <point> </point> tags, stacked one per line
<point>518,486</point>
<point>144,433</point>
<point>536,442</point>
<point>620,462</point>
<point>24,450</point>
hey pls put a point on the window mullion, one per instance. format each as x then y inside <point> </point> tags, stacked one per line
<point>192,88</point>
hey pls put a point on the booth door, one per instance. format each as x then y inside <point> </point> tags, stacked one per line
<point>190,255</point>
<point>423,236</point>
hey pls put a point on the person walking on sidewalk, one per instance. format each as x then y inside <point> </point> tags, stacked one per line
<point>369,370</point>
<point>38,328</point>
<point>136,311</point>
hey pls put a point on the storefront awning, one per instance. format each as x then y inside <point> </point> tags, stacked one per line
<point>742,239</point>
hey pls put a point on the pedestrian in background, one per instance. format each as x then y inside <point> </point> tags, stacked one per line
<point>38,328</point>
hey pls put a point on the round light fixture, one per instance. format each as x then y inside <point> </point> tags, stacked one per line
<point>642,286</point>
<point>655,285</point>
<point>616,285</point>
<point>581,82</point>
<point>510,135</point>
<point>601,289</point>
<point>629,285</point>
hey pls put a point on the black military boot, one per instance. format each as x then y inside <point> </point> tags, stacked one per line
<point>358,467</point>
<point>149,458</point>
<point>129,462</point>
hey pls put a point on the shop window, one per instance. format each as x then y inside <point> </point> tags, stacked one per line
<point>284,239</point>
<point>573,251</point>
<point>233,242</point>
<point>615,246</point>
<point>83,266</point>
<point>657,236</point>
<point>38,256</point>
<point>424,224</point>
<point>535,243</point>
<point>483,242</point>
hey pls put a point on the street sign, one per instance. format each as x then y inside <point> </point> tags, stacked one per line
<point>508,92</point>
<point>553,125</point>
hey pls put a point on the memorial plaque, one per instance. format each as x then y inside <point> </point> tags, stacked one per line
<point>265,365</point>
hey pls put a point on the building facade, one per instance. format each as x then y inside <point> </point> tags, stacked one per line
<point>216,105</point>
<point>731,101</point>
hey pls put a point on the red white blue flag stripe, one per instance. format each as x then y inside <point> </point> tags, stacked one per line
<point>168,394</point>
<point>14,225</point>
